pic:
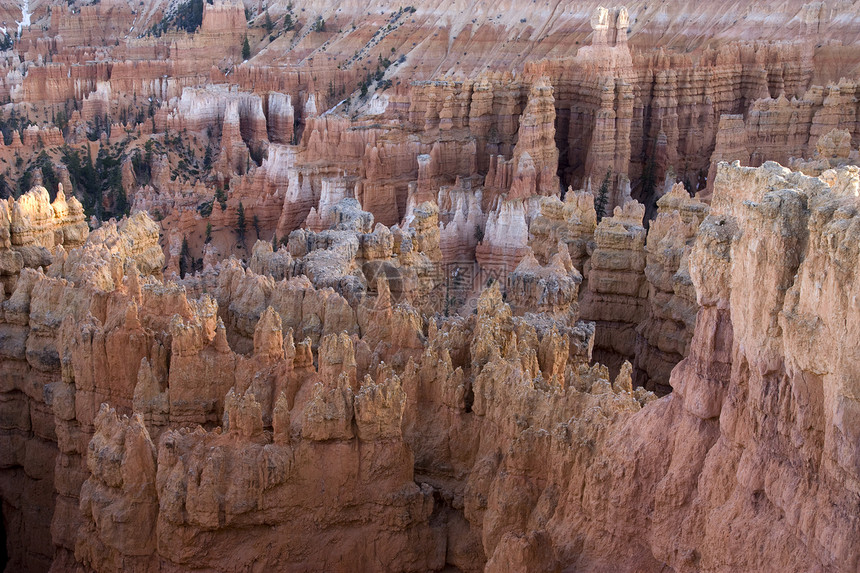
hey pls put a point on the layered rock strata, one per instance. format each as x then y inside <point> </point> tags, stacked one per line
<point>664,335</point>
<point>522,411</point>
<point>373,268</point>
<point>617,290</point>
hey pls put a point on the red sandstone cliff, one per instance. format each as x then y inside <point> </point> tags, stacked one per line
<point>418,352</point>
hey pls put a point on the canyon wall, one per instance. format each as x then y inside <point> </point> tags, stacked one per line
<point>484,440</point>
<point>501,287</point>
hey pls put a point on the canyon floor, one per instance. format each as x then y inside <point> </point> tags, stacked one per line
<point>458,285</point>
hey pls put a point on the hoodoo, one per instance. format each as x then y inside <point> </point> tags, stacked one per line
<point>463,286</point>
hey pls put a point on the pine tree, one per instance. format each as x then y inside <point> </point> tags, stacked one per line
<point>246,48</point>
<point>49,176</point>
<point>240,222</point>
<point>184,255</point>
<point>121,206</point>
<point>256,222</point>
<point>208,232</point>
<point>602,198</point>
<point>649,176</point>
<point>61,121</point>
<point>221,197</point>
<point>268,23</point>
<point>5,190</point>
<point>25,182</point>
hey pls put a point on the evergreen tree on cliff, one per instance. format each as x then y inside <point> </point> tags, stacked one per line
<point>184,255</point>
<point>602,198</point>
<point>240,222</point>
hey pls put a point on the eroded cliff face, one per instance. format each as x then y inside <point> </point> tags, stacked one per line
<point>456,287</point>
<point>476,441</point>
<point>639,93</point>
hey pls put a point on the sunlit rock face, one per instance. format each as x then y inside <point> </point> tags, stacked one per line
<point>448,287</point>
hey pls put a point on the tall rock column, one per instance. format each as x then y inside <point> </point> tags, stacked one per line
<point>537,140</point>
<point>617,290</point>
<point>664,336</point>
<point>732,145</point>
<point>281,118</point>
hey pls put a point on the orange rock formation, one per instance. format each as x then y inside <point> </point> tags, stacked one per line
<point>500,286</point>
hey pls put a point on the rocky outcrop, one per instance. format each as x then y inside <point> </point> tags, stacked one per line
<point>750,321</point>
<point>462,222</point>
<point>831,150</point>
<point>397,342</point>
<point>571,222</point>
<point>118,499</point>
<point>727,385</point>
<point>505,240</point>
<point>39,137</point>
<point>207,483</point>
<point>731,145</point>
<point>535,155</point>
<point>36,222</point>
<point>223,17</point>
<point>454,414</point>
<point>32,227</point>
<point>617,289</point>
<point>58,389</point>
<point>552,289</point>
<point>234,156</point>
<point>665,333</point>
<point>281,118</point>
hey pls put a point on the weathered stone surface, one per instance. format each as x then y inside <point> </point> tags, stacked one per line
<point>326,305</point>
<point>665,333</point>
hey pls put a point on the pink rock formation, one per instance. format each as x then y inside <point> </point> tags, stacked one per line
<point>417,352</point>
<point>617,290</point>
<point>285,416</point>
<point>281,117</point>
<point>537,142</point>
<point>831,150</point>
<point>32,227</point>
<point>665,334</point>
<point>235,156</point>
<point>505,239</point>
<point>731,145</point>
<point>571,222</point>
